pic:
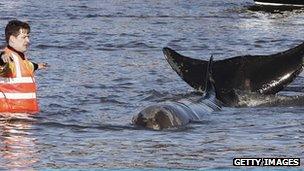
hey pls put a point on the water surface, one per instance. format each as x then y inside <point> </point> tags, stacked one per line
<point>106,64</point>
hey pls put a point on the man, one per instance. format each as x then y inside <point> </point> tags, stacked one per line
<point>17,83</point>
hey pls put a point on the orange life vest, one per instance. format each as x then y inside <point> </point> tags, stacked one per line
<point>17,85</point>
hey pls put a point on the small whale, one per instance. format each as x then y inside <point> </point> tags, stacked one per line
<point>178,114</point>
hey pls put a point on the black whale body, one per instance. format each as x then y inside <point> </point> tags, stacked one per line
<point>264,74</point>
<point>275,9</point>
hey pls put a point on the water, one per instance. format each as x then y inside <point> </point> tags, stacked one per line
<point>106,64</point>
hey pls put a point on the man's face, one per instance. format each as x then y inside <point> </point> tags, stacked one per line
<point>21,42</point>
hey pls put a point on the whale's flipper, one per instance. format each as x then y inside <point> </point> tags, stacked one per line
<point>265,74</point>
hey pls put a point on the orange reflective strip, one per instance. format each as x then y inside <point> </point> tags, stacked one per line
<point>19,106</point>
<point>18,88</point>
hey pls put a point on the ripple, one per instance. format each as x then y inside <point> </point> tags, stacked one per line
<point>97,86</point>
<point>111,101</point>
<point>40,46</point>
<point>86,127</point>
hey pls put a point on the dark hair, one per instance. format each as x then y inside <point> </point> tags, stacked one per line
<point>13,27</point>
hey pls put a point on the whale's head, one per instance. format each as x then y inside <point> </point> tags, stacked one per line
<point>159,117</point>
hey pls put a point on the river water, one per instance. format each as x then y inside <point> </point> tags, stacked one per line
<point>106,64</point>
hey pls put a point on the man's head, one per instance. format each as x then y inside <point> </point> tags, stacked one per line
<point>17,35</point>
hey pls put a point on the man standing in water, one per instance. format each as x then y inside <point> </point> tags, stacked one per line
<point>17,83</point>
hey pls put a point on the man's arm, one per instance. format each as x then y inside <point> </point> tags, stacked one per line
<point>35,66</point>
<point>5,59</point>
<point>39,65</point>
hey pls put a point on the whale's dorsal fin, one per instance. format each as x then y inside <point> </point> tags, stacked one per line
<point>209,81</point>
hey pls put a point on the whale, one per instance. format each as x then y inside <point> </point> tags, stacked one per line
<point>177,114</point>
<point>172,114</point>
<point>262,74</point>
<point>242,81</point>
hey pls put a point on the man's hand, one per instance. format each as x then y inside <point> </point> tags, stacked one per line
<point>6,58</point>
<point>42,65</point>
